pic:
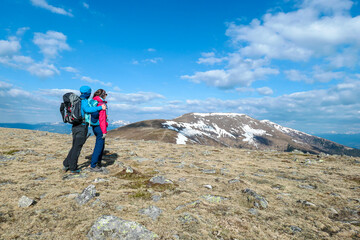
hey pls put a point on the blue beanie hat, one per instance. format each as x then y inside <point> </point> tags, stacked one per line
<point>85,91</point>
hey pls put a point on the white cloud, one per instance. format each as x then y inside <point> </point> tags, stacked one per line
<point>5,85</point>
<point>51,43</point>
<point>265,91</point>
<point>9,47</point>
<point>135,98</point>
<point>70,69</point>
<point>239,72</point>
<point>151,50</point>
<point>47,6</point>
<point>43,70</point>
<point>90,80</point>
<point>21,31</point>
<point>86,5</point>
<point>318,31</point>
<point>153,60</point>
<point>56,92</point>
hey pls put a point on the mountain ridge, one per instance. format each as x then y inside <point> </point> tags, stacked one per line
<point>230,130</point>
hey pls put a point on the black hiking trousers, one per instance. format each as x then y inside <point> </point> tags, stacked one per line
<point>79,134</point>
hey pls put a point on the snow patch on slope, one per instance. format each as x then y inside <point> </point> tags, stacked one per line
<point>249,134</point>
<point>283,129</point>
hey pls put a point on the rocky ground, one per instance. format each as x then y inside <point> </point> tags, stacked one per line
<point>153,190</point>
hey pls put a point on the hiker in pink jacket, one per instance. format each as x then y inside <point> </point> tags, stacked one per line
<point>99,124</point>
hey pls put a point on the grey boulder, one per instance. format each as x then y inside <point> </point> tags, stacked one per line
<point>111,227</point>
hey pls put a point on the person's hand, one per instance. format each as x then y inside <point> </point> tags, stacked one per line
<point>103,107</point>
<point>104,136</point>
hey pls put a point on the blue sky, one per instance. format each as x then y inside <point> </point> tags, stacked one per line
<point>294,62</point>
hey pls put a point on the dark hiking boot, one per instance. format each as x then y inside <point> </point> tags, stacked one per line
<point>65,169</point>
<point>77,171</point>
<point>95,169</point>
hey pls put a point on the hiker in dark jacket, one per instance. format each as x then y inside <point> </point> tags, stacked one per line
<point>80,131</point>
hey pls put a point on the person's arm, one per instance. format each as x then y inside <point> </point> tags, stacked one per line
<point>102,121</point>
<point>87,109</point>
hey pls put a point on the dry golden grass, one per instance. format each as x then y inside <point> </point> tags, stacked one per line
<point>277,176</point>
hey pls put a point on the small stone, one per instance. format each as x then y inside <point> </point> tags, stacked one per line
<point>87,194</point>
<point>156,198</point>
<point>153,212</point>
<point>182,179</point>
<point>25,201</point>
<point>253,211</point>
<point>295,229</point>
<point>119,164</point>
<point>307,186</point>
<point>129,170</point>
<point>100,180</point>
<point>73,176</point>
<point>233,181</point>
<point>40,179</point>
<point>104,171</point>
<point>214,199</point>
<point>209,171</point>
<point>112,227</point>
<point>140,159</point>
<point>98,203</point>
<point>187,218</point>
<point>208,186</point>
<point>160,180</point>
<point>257,200</point>
<point>306,203</point>
<point>224,171</point>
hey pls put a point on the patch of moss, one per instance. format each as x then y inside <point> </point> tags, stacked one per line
<point>11,152</point>
<point>141,194</point>
<point>161,187</point>
<point>136,184</point>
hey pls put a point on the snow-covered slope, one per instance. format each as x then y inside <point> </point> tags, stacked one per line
<point>233,130</point>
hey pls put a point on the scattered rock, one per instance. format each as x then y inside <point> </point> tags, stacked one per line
<point>206,153</point>
<point>187,218</point>
<point>156,198</point>
<point>100,180</point>
<point>224,171</point>
<point>4,158</point>
<point>104,171</point>
<point>307,186</point>
<point>195,203</point>
<point>182,179</point>
<point>208,186</point>
<point>306,203</point>
<point>111,227</point>
<point>87,194</point>
<point>295,229</point>
<point>208,171</point>
<point>257,200</point>
<point>253,211</point>
<point>25,201</point>
<point>99,203</point>
<point>73,176</point>
<point>160,180</point>
<point>129,170</point>
<point>213,199</point>
<point>233,181</point>
<point>119,164</point>
<point>40,179</point>
<point>119,208</point>
<point>140,159</point>
<point>153,212</point>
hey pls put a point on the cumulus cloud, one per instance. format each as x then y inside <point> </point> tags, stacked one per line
<point>317,31</point>
<point>51,43</point>
<point>91,80</point>
<point>43,70</point>
<point>70,69</point>
<point>265,91</point>
<point>86,5</point>
<point>134,98</point>
<point>239,72</point>
<point>9,47</point>
<point>53,9</point>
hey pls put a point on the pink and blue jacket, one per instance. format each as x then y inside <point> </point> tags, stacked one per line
<point>102,115</point>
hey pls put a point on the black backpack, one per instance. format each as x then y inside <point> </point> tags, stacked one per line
<point>70,109</point>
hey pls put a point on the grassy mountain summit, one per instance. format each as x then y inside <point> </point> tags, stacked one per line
<point>230,130</point>
<point>176,191</point>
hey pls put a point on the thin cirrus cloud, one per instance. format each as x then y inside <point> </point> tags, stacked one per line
<point>320,31</point>
<point>45,5</point>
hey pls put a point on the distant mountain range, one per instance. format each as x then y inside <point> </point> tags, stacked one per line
<point>54,127</point>
<point>230,130</point>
